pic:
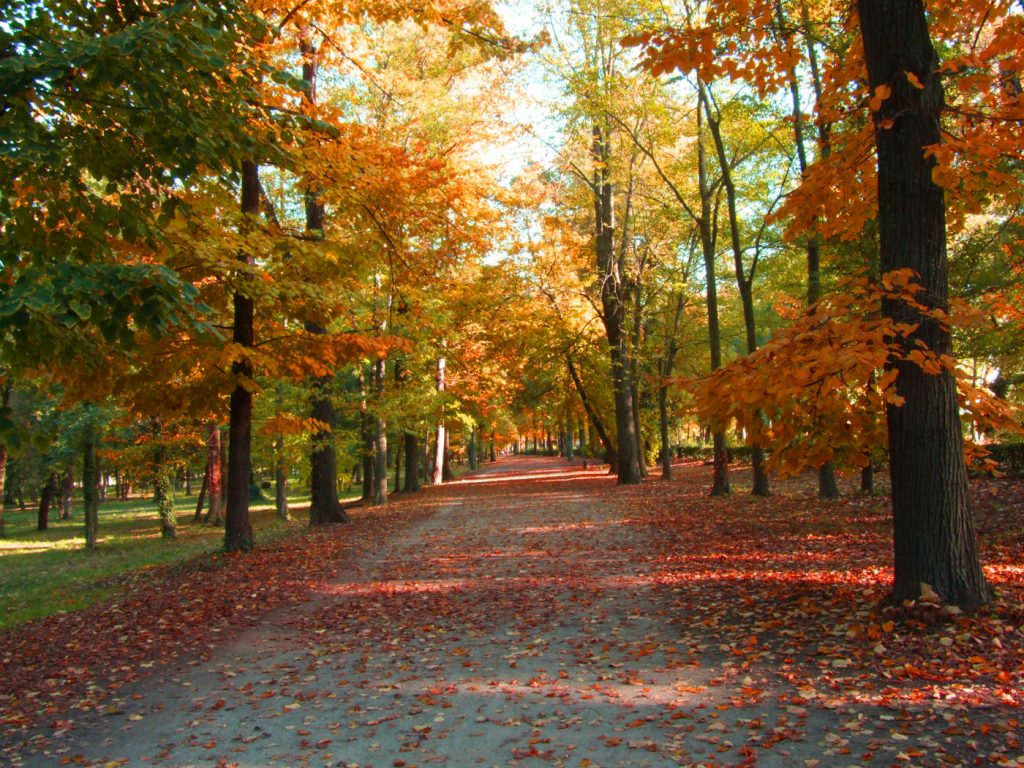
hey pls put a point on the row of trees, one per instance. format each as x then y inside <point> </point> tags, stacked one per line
<point>784,198</point>
<point>739,224</point>
<point>249,216</point>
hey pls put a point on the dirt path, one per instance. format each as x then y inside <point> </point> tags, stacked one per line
<point>522,623</point>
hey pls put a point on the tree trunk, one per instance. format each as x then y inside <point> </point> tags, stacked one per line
<point>3,485</point>
<point>666,449</point>
<point>412,463</point>
<point>163,490</point>
<point>215,485</point>
<point>90,492</point>
<point>446,467</point>
<point>613,309</point>
<point>720,475</point>
<point>570,450</point>
<point>380,439</point>
<point>6,401</point>
<point>472,447</point>
<point>827,486</point>
<point>744,279</point>
<point>237,525</point>
<point>933,530</point>
<point>280,481</point>
<point>602,434</point>
<point>67,491</point>
<point>438,469</point>
<point>324,507</point>
<point>494,456</point>
<point>202,496</point>
<point>399,450</point>
<point>46,494</point>
<point>867,479</point>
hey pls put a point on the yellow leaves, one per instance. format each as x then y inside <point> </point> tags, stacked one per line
<point>291,425</point>
<point>818,390</point>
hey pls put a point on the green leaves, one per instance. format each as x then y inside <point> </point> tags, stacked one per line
<point>57,313</point>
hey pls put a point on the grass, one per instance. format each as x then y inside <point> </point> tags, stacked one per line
<point>45,572</point>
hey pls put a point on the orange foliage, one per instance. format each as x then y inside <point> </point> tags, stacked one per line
<point>817,390</point>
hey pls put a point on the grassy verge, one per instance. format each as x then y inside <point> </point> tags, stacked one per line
<point>45,572</point>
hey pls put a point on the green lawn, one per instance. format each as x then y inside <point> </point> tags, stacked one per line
<point>43,572</point>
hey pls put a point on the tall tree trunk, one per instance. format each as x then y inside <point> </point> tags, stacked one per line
<point>569,436</point>
<point>720,476</point>
<point>744,278</point>
<point>202,496</point>
<point>446,467</point>
<point>280,480</point>
<point>6,401</point>
<point>324,507</point>
<point>602,434</point>
<point>412,463</point>
<point>472,447</point>
<point>399,450</point>
<point>827,486</point>
<point>380,439</point>
<point>90,492</point>
<point>280,464</point>
<point>163,490</point>
<point>666,448</point>
<point>46,495</point>
<point>438,469</point>
<point>67,492</point>
<point>237,525</point>
<point>613,309</point>
<point>494,456</point>
<point>867,479</point>
<point>215,484</point>
<point>933,530</point>
<point>366,422</point>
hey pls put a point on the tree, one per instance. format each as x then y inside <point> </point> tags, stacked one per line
<point>933,531</point>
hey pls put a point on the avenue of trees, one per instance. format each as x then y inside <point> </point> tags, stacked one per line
<point>303,243</point>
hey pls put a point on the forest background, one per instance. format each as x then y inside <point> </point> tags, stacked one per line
<point>310,244</point>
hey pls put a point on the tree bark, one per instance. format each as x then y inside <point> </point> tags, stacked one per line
<point>720,475</point>
<point>90,492</point>
<point>412,463</point>
<point>602,434</point>
<point>163,490</point>
<point>46,494</point>
<point>6,401</point>
<point>67,491</point>
<point>933,530</point>
<point>438,469</point>
<point>827,486</point>
<point>744,279</point>
<point>613,309</point>
<point>280,480</point>
<point>237,525</point>
<point>215,485</point>
<point>202,496</point>
<point>380,439</point>
<point>399,450</point>
<point>471,447</point>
